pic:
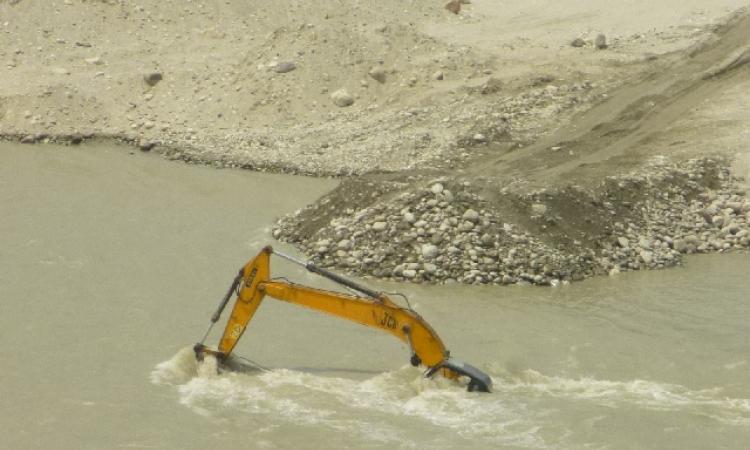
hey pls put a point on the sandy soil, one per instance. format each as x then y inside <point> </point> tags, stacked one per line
<point>509,73</point>
<point>493,102</point>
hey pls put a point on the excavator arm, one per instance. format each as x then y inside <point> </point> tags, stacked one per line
<point>373,309</point>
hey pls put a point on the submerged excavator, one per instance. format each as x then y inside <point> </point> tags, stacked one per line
<point>368,307</point>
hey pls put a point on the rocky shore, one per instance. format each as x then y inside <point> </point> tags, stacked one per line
<point>356,142</point>
<point>444,231</point>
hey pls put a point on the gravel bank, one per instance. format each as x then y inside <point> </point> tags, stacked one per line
<point>442,231</point>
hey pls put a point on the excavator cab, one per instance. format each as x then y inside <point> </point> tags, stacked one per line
<point>367,307</point>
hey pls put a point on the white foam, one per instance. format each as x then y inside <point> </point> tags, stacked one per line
<point>641,393</point>
<point>402,406</point>
<point>177,370</point>
<point>373,409</point>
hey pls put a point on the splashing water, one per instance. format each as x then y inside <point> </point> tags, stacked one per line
<point>393,407</point>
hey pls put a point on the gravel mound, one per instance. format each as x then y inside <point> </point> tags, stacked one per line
<point>445,230</point>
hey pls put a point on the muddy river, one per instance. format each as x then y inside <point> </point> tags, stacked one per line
<point>112,262</point>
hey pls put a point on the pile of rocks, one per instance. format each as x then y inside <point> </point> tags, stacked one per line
<point>443,231</point>
<point>707,214</point>
<point>433,235</point>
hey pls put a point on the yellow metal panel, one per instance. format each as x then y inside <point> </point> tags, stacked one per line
<point>250,297</point>
<point>382,315</point>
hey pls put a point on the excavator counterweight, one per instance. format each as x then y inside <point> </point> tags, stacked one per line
<point>371,308</point>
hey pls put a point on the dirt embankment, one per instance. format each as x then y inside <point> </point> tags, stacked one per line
<point>506,143</point>
<point>250,83</point>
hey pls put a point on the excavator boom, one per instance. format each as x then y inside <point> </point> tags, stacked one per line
<point>373,309</point>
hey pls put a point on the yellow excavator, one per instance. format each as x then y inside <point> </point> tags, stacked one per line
<point>368,307</point>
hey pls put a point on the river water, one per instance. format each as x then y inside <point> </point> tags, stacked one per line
<point>112,262</point>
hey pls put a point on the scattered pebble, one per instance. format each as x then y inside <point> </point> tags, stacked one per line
<point>152,78</point>
<point>600,42</point>
<point>578,42</point>
<point>285,67</point>
<point>378,74</point>
<point>454,6</point>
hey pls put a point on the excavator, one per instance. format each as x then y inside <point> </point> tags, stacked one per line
<point>364,306</point>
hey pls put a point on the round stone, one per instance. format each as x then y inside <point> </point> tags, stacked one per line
<point>429,251</point>
<point>342,98</point>
<point>471,215</point>
<point>379,226</point>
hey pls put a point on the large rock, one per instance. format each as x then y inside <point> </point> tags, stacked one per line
<point>409,273</point>
<point>471,215</point>
<point>429,251</point>
<point>601,42</point>
<point>342,98</point>
<point>647,257</point>
<point>146,146</point>
<point>285,67</point>
<point>379,226</point>
<point>152,78</point>
<point>454,6</point>
<point>680,245</point>
<point>378,74</point>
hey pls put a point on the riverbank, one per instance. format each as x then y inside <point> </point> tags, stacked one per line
<point>443,231</point>
<point>250,84</point>
<point>503,144</point>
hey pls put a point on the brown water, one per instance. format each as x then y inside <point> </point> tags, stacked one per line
<point>111,263</point>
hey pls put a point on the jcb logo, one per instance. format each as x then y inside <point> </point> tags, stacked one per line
<point>236,332</point>
<point>388,321</point>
